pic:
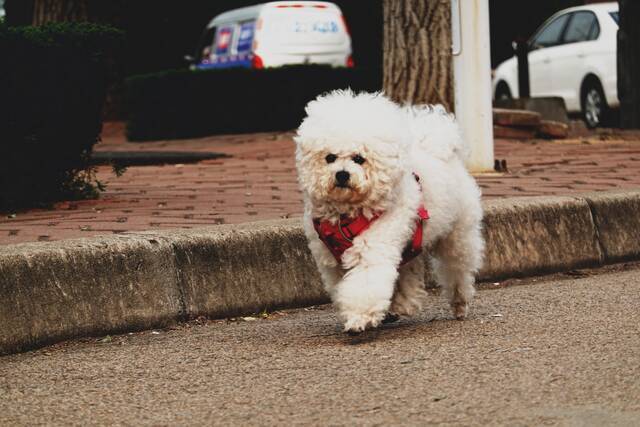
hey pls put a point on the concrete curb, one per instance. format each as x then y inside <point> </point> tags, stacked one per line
<point>54,291</point>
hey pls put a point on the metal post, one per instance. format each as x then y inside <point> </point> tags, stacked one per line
<point>522,53</point>
<point>472,79</point>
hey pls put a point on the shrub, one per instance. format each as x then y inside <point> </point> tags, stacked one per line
<point>183,103</point>
<point>52,89</point>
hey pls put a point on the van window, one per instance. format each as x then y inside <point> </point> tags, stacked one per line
<point>224,37</point>
<point>245,39</point>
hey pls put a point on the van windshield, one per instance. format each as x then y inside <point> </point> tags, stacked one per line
<point>203,51</point>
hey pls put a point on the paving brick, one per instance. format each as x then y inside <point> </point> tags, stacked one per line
<point>215,192</point>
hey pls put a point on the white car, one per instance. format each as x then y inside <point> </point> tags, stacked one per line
<point>275,34</point>
<point>573,56</point>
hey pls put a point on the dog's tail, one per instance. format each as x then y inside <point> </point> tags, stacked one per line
<point>436,131</point>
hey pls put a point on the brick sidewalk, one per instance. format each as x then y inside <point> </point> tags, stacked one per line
<point>259,182</point>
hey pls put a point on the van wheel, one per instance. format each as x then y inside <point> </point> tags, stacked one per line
<point>594,104</point>
<point>502,91</point>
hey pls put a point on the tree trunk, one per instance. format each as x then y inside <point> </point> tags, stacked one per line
<point>60,10</point>
<point>417,63</point>
<point>629,64</point>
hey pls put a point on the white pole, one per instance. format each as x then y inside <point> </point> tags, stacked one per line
<point>472,79</point>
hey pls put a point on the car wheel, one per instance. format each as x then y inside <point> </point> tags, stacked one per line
<point>502,92</point>
<point>594,104</point>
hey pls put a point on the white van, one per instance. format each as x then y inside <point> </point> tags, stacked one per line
<point>275,34</point>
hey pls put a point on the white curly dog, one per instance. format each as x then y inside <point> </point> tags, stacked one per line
<point>368,168</point>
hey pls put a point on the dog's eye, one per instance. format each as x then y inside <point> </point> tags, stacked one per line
<point>358,159</point>
<point>331,158</point>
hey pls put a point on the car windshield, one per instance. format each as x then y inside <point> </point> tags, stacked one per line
<point>614,15</point>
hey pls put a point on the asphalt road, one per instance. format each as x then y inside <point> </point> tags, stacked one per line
<point>559,350</point>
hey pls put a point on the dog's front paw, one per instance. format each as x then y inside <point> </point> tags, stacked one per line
<point>360,322</point>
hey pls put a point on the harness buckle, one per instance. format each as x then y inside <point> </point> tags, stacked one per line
<point>342,232</point>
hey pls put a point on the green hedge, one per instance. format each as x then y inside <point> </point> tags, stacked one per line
<point>53,81</point>
<point>184,104</point>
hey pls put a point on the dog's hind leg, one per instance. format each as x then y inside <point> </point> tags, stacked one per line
<point>457,259</point>
<point>410,293</point>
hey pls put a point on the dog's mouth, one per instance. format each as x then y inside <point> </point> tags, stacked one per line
<point>341,187</point>
<point>345,193</point>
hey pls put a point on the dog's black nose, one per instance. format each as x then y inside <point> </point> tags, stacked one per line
<point>342,177</point>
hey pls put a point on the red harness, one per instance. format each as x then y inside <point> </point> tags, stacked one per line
<point>339,237</point>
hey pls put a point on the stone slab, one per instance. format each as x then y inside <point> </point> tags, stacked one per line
<point>536,235</point>
<point>82,287</point>
<point>550,108</point>
<point>553,130</point>
<point>231,270</point>
<point>617,218</point>
<point>507,117</point>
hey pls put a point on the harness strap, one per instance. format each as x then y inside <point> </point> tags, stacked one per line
<point>414,248</point>
<point>350,230</point>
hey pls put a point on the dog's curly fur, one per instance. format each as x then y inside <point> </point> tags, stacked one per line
<point>395,143</point>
